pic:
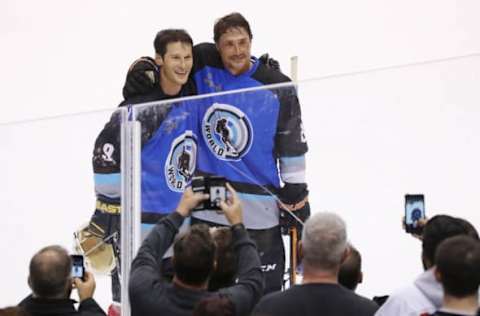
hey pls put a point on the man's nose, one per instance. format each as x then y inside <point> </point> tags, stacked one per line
<point>182,63</point>
<point>237,49</point>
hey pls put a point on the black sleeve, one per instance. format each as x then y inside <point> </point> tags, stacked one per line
<point>145,278</point>
<point>106,167</point>
<point>89,307</point>
<point>106,152</point>
<point>290,139</point>
<point>249,288</point>
<point>205,54</point>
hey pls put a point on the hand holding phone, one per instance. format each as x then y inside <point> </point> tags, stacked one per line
<point>85,287</point>
<point>414,213</point>
<point>232,207</point>
<point>215,187</point>
<point>78,267</point>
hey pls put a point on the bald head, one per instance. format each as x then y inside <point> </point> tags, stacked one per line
<point>50,270</point>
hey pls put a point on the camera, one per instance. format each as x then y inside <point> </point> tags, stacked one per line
<point>78,266</point>
<point>414,211</point>
<point>213,186</point>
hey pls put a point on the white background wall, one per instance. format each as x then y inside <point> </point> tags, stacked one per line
<point>373,137</point>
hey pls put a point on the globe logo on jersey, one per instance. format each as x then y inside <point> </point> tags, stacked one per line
<point>180,163</point>
<point>227,131</point>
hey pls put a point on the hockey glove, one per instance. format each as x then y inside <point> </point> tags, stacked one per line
<point>105,221</point>
<point>294,198</point>
<point>269,62</point>
<point>142,76</point>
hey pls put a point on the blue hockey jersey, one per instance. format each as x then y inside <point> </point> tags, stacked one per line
<point>245,135</point>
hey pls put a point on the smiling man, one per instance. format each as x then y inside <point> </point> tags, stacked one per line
<point>175,60</point>
<point>234,45</point>
<point>172,66</point>
<point>265,144</point>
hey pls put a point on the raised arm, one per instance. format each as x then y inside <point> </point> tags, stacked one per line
<point>249,288</point>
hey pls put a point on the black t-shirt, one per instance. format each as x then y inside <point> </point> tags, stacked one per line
<point>313,300</point>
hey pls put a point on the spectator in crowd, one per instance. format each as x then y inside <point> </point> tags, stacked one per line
<point>323,249</point>
<point>193,262</point>
<point>424,295</point>
<point>225,270</point>
<point>214,306</point>
<point>13,311</point>
<point>457,261</point>
<point>51,283</point>
<point>350,274</point>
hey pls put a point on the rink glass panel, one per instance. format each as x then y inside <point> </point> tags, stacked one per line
<point>372,139</point>
<point>47,193</point>
<point>377,136</point>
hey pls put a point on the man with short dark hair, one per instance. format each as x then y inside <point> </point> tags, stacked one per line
<point>350,274</point>
<point>194,258</point>
<point>193,263</point>
<point>425,295</point>
<point>51,283</point>
<point>172,48</point>
<point>226,259</point>
<point>323,249</point>
<point>457,261</point>
<point>173,63</point>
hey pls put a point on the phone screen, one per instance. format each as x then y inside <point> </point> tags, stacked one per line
<point>414,210</point>
<point>78,268</point>
<point>217,194</point>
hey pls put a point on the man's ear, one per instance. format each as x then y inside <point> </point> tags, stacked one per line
<point>30,283</point>
<point>360,277</point>
<point>158,59</point>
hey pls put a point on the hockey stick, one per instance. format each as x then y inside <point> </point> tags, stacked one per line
<point>293,255</point>
<point>293,230</point>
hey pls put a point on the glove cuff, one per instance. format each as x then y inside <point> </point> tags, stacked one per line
<point>293,193</point>
<point>144,59</point>
<point>297,205</point>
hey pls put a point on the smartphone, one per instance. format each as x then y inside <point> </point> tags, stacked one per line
<point>78,266</point>
<point>414,211</point>
<point>214,186</point>
<point>218,191</point>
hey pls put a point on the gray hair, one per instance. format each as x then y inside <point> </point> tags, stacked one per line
<point>324,240</point>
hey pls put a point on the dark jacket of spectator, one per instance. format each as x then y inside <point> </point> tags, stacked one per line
<point>150,295</point>
<point>60,307</point>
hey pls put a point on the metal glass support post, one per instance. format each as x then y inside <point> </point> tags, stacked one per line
<point>130,215</point>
